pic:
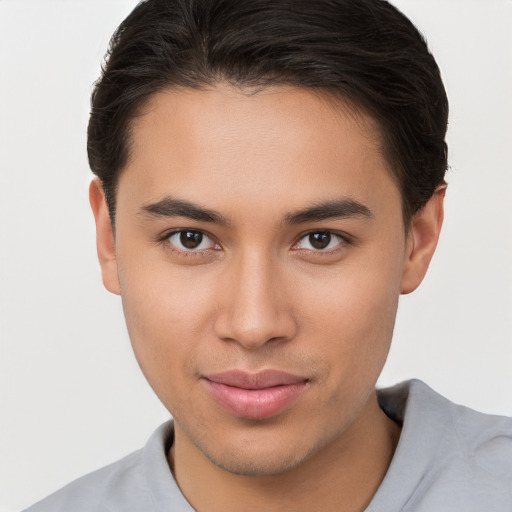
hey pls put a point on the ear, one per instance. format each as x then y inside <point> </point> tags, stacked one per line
<point>422,240</point>
<point>105,242</point>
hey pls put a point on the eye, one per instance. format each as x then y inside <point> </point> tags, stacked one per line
<point>319,241</point>
<point>190,240</point>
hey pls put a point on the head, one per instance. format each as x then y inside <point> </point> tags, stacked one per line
<point>270,179</point>
<point>363,52</point>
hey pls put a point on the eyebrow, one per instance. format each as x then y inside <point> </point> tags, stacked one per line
<point>171,207</point>
<point>334,209</point>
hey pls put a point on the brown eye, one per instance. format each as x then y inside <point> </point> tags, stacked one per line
<point>320,240</point>
<point>188,240</point>
<point>191,239</point>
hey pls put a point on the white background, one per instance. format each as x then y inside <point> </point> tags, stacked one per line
<point>72,397</point>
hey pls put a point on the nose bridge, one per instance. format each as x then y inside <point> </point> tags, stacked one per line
<point>254,310</point>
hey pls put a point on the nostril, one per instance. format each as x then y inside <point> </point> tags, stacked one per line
<point>255,335</point>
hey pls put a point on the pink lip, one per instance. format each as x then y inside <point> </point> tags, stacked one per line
<point>255,395</point>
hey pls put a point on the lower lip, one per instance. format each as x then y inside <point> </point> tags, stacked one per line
<point>255,403</point>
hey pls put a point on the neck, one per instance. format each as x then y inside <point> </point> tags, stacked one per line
<point>344,476</point>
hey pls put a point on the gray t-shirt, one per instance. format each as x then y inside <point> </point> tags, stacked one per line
<point>449,459</point>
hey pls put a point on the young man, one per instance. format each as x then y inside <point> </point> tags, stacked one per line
<point>270,180</point>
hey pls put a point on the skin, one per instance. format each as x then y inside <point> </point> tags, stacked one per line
<point>256,294</point>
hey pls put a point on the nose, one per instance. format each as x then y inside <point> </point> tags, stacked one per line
<point>254,306</point>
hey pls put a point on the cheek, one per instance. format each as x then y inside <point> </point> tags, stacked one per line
<point>168,317</point>
<point>352,313</point>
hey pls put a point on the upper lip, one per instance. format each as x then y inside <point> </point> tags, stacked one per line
<point>260,380</point>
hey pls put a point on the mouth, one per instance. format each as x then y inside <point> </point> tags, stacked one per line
<point>255,395</point>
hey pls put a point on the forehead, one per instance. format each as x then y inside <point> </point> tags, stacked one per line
<point>274,113</point>
<point>224,142</point>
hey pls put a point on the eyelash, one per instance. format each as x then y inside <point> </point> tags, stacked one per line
<point>343,241</point>
<point>165,239</point>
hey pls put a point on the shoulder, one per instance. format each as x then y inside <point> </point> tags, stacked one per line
<point>100,490</point>
<point>477,436</point>
<point>483,443</point>
<point>135,483</point>
<point>449,457</point>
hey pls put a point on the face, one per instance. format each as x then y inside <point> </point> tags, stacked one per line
<point>259,252</point>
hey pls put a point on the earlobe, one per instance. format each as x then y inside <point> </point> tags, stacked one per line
<point>422,241</point>
<point>105,242</point>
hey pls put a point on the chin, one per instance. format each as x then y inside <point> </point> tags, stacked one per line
<point>257,463</point>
